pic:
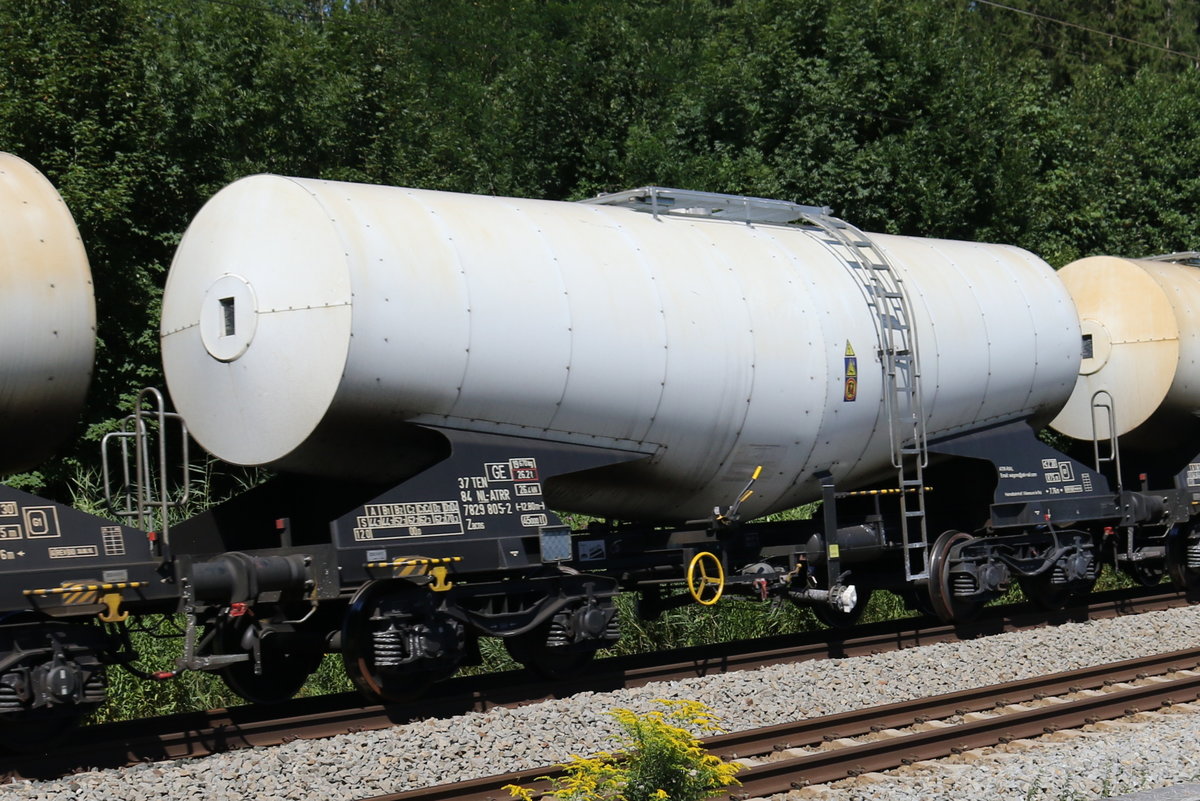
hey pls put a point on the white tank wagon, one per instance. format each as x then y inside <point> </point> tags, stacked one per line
<point>308,324</point>
<point>1140,320</point>
<point>68,578</point>
<point>47,317</point>
<point>435,374</point>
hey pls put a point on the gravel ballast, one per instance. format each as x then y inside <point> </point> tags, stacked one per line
<point>431,752</point>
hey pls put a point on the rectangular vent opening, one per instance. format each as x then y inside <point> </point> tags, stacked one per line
<point>1087,346</point>
<point>228,316</point>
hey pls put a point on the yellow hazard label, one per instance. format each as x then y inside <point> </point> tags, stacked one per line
<point>851,374</point>
<point>834,551</point>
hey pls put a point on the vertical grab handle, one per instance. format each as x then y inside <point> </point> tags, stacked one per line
<point>1103,402</point>
<point>145,493</point>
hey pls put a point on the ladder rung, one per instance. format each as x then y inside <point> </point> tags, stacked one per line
<point>916,513</point>
<point>911,482</point>
<point>884,291</point>
<point>912,545</point>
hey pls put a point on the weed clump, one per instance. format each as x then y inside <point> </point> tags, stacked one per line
<point>658,757</point>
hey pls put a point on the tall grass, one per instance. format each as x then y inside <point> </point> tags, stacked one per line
<point>158,642</point>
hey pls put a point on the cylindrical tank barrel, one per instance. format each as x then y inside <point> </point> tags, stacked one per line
<point>47,317</point>
<point>308,324</point>
<point>1140,323</point>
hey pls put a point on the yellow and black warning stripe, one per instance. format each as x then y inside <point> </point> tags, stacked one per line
<point>75,589</point>
<point>436,568</point>
<point>88,594</point>
<point>414,567</point>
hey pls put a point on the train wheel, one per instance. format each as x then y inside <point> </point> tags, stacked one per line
<point>941,597</point>
<point>1145,574</point>
<point>383,622</point>
<point>917,599</point>
<point>1043,593</point>
<point>533,651</point>
<point>837,619</point>
<point>283,673</point>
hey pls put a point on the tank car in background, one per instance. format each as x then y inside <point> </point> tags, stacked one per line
<point>66,577</point>
<point>431,374</point>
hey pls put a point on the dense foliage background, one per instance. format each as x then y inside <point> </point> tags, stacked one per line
<point>1065,127</point>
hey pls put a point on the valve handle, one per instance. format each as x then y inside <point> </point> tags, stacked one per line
<point>711,574</point>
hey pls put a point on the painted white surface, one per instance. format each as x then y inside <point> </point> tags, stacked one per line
<point>711,346</point>
<point>47,317</point>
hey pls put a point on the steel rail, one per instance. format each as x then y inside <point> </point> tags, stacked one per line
<point>886,754</point>
<point>786,774</point>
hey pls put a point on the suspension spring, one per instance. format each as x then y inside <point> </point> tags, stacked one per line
<point>10,695</point>
<point>94,690</point>
<point>393,647</point>
<point>558,636</point>
<point>963,585</point>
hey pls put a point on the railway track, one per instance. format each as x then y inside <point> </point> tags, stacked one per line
<point>201,734</point>
<point>786,757</point>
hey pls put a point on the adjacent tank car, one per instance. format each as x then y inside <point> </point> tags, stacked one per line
<point>433,377</point>
<point>66,578</point>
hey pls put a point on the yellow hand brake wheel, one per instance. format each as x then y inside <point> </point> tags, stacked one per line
<point>710,580</point>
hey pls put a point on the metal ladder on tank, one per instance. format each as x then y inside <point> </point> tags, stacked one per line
<point>884,293</point>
